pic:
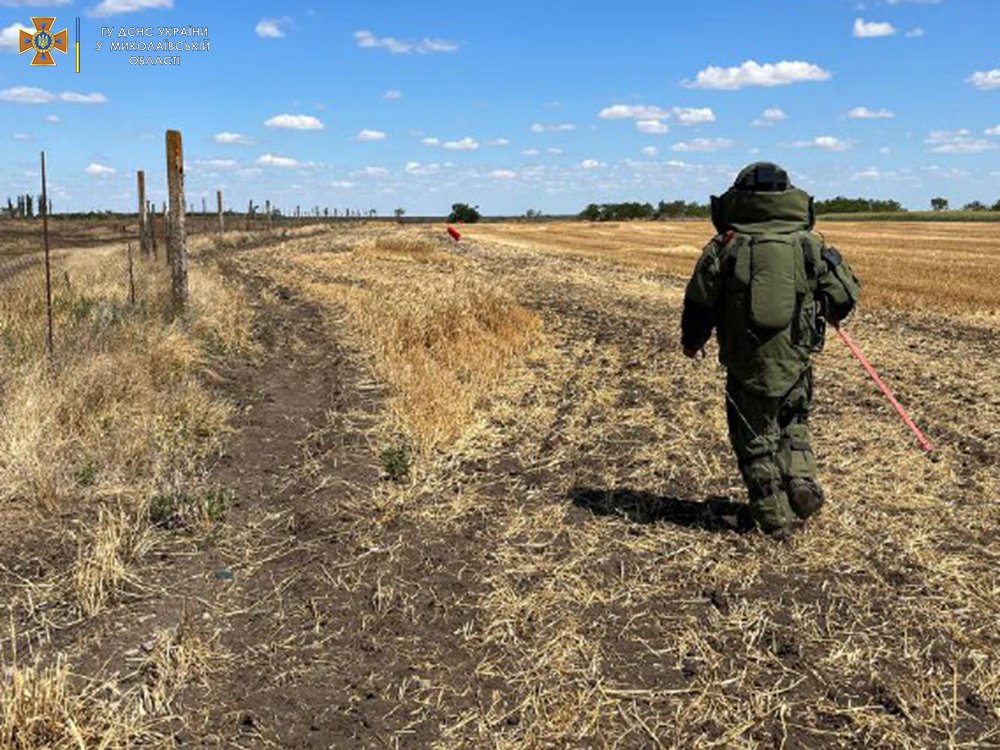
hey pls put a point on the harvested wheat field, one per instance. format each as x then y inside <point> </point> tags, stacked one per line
<point>477,498</point>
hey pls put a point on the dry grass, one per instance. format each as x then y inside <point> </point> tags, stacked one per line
<point>121,415</point>
<point>440,334</point>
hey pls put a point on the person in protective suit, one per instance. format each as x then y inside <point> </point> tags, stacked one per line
<point>768,284</point>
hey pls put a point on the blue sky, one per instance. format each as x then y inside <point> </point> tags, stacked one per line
<point>511,105</point>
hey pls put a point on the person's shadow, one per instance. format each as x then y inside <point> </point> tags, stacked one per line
<point>715,514</point>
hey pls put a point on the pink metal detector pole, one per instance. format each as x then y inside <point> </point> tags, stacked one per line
<point>921,438</point>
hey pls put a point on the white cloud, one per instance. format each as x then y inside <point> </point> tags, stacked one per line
<point>863,113</point>
<point>272,28</point>
<point>650,151</point>
<point>693,116</point>
<point>10,36</point>
<point>885,150</point>
<point>416,168</point>
<point>53,119</point>
<point>915,33</point>
<point>752,73</point>
<point>770,116</point>
<point>114,7</point>
<point>285,162</point>
<point>702,145</point>
<point>503,174</point>
<point>35,95</point>
<point>651,127</point>
<point>341,184</point>
<point>294,122</point>
<point>99,170</point>
<point>993,131</point>
<point>591,165</point>
<point>498,142</point>
<point>683,115</point>
<point>874,173</point>
<point>985,80</point>
<point>74,97</point>
<point>554,151</point>
<point>216,163</point>
<point>531,152</point>
<point>825,143</point>
<point>236,139</point>
<point>466,144</point>
<point>431,142</point>
<point>633,111</point>
<point>367,40</point>
<point>872,29</point>
<point>392,95</point>
<point>370,172</point>
<point>558,127</point>
<point>958,142</point>
<point>370,135</point>
<point>21,137</point>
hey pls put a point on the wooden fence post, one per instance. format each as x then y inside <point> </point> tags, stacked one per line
<point>222,221</point>
<point>176,246</point>
<point>145,246</point>
<point>48,262</point>
<point>151,213</point>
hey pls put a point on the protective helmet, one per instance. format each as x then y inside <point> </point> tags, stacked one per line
<point>763,177</point>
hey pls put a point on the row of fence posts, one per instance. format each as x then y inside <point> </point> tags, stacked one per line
<point>176,242</point>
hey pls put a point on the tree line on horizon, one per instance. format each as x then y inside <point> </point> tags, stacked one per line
<point>634,210</point>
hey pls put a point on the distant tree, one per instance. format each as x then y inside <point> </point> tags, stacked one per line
<point>464,213</point>
<point>591,213</point>
<point>975,206</point>
<point>996,206</point>
<point>398,213</point>
<point>533,213</point>
<point>939,204</point>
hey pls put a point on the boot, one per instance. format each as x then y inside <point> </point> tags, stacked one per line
<point>805,496</point>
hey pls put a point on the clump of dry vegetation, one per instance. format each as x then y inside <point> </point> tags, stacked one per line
<point>441,334</point>
<point>121,415</point>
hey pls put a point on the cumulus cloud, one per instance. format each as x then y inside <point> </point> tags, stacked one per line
<point>465,144</point>
<point>825,143</point>
<point>650,151</point>
<point>503,174</point>
<point>702,145</point>
<point>416,168</point>
<point>115,7</point>
<point>99,170</point>
<point>53,119</point>
<point>272,28</point>
<point>294,122</point>
<point>682,115</point>
<point>10,36</point>
<point>35,95</point>
<point>915,33</point>
<point>591,165</point>
<point>498,142</point>
<point>552,127</point>
<point>216,163</point>
<point>864,113</point>
<point>392,95</point>
<point>235,139</point>
<point>368,40</point>
<point>770,116</point>
<point>958,142</point>
<point>652,127</point>
<point>21,137</point>
<point>993,131</point>
<point>531,152</point>
<point>284,162</point>
<point>985,80</point>
<point>752,73</point>
<point>872,29</point>
<point>367,135</point>
<point>431,141</point>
